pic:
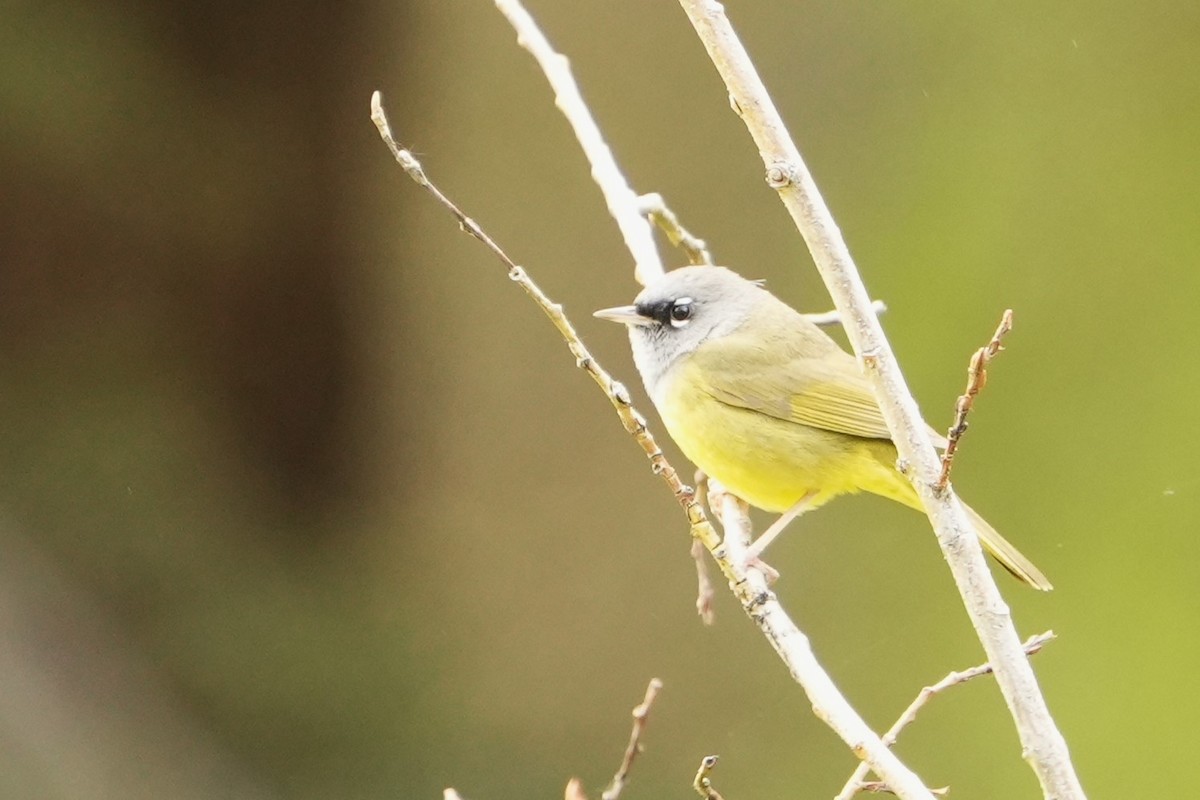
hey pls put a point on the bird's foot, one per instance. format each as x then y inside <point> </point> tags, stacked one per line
<point>754,562</point>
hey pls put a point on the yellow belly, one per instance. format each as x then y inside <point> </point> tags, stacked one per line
<point>772,463</point>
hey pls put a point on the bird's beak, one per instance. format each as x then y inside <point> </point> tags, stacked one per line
<point>626,315</point>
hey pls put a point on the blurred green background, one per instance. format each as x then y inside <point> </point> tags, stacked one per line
<point>301,498</point>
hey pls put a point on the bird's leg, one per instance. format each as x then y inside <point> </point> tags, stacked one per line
<point>762,542</point>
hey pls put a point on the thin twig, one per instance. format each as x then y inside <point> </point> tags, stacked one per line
<point>704,587</point>
<point>879,787</point>
<point>702,784</point>
<point>747,585</point>
<point>1042,745</point>
<point>834,317</point>
<point>640,713</point>
<point>621,199</point>
<point>655,208</point>
<point>976,380</point>
<point>857,782</point>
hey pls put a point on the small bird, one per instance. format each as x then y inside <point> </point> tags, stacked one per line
<point>764,401</point>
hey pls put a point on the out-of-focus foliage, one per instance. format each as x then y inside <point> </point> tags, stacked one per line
<point>301,498</point>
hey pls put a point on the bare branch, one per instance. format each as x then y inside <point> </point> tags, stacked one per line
<point>857,782</point>
<point>640,712</point>
<point>976,380</point>
<point>622,201</point>
<point>1042,744</point>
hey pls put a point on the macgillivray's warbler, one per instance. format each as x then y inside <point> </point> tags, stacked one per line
<point>763,400</point>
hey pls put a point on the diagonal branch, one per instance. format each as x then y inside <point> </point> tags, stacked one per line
<point>1042,744</point>
<point>622,201</point>
<point>633,422</point>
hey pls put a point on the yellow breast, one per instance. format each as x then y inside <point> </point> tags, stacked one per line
<point>768,462</point>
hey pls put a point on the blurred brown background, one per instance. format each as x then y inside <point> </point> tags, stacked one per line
<point>301,498</point>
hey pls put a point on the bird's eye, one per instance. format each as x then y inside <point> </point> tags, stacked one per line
<point>681,311</point>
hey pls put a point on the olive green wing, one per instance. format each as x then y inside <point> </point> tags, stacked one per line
<point>828,391</point>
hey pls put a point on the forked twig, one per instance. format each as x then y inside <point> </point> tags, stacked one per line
<point>858,782</point>
<point>641,712</point>
<point>976,380</point>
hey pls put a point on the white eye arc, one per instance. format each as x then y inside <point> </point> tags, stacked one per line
<point>681,312</point>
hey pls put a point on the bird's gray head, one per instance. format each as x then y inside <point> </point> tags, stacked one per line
<point>681,310</point>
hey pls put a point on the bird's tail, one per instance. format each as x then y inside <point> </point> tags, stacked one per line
<point>1009,557</point>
